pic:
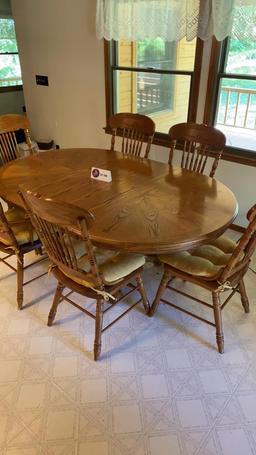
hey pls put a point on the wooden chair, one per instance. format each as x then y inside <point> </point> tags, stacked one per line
<point>218,267</point>
<point>94,273</point>
<point>197,144</point>
<point>17,237</point>
<point>136,131</point>
<point>9,124</point>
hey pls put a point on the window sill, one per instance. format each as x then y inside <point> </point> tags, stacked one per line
<point>230,153</point>
<point>159,113</point>
<point>239,156</point>
<point>11,88</point>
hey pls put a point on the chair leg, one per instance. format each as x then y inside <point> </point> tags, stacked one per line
<point>98,328</point>
<point>55,303</point>
<point>165,280</point>
<point>143,293</point>
<point>244,298</point>
<point>20,278</point>
<point>218,321</point>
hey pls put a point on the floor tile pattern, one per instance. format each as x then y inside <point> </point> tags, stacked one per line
<point>160,386</point>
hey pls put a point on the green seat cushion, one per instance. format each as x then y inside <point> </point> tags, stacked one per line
<point>113,265</point>
<point>120,266</point>
<point>205,260</point>
<point>22,232</point>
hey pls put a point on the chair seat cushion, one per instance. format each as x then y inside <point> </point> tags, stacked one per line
<point>205,260</point>
<point>113,265</point>
<point>22,232</point>
<point>24,148</point>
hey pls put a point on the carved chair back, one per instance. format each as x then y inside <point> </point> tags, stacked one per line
<point>197,143</point>
<point>240,259</point>
<point>136,130</point>
<point>6,231</point>
<point>9,124</point>
<point>60,227</point>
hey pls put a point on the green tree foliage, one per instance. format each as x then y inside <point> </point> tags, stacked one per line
<point>241,53</point>
<point>9,63</point>
<point>237,46</point>
<point>148,50</point>
<point>7,36</point>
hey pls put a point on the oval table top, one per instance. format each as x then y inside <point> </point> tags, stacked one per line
<point>149,207</point>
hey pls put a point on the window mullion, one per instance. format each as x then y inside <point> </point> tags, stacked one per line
<point>152,70</point>
<point>150,84</point>
<point>8,53</point>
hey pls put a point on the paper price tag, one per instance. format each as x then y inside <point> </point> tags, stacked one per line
<point>101,174</point>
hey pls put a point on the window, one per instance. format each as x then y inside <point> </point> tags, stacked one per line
<point>156,78</point>
<point>10,72</point>
<point>153,92</point>
<point>231,100</point>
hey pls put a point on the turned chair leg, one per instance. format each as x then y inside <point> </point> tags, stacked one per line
<point>55,303</point>
<point>20,278</point>
<point>98,328</point>
<point>165,280</point>
<point>244,298</point>
<point>143,293</point>
<point>218,321</point>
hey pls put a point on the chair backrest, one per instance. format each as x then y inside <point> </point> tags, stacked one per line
<point>59,227</point>
<point>241,256</point>
<point>6,232</point>
<point>9,124</point>
<point>136,130</point>
<point>197,143</point>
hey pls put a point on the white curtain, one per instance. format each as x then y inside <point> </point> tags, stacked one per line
<point>222,18</point>
<point>135,20</point>
<point>173,20</point>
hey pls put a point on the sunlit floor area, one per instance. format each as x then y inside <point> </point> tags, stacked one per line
<point>160,386</point>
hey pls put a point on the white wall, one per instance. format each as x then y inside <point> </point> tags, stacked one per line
<point>12,102</point>
<point>57,38</point>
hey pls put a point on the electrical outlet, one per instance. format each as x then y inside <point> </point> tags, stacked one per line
<point>42,80</point>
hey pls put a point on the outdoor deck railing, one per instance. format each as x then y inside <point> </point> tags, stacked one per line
<point>10,81</point>
<point>237,108</point>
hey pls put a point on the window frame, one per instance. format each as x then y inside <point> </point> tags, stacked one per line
<point>16,87</point>
<point>167,104</point>
<point>110,57</point>
<point>216,72</point>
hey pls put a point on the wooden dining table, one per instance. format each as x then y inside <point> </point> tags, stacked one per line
<point>148,207</point>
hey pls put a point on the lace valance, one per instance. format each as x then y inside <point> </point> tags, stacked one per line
<point>173,20</point>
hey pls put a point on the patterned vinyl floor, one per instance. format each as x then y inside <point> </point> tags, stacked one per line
<point>160,387</point>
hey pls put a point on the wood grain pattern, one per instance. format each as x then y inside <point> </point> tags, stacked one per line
<point>136,130</point>
<point>199,142</point>
<point>54,223</point>
<point>9,124</point>
<point>13,248</point>
<point>229,278</point>
<point>149,207</point>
